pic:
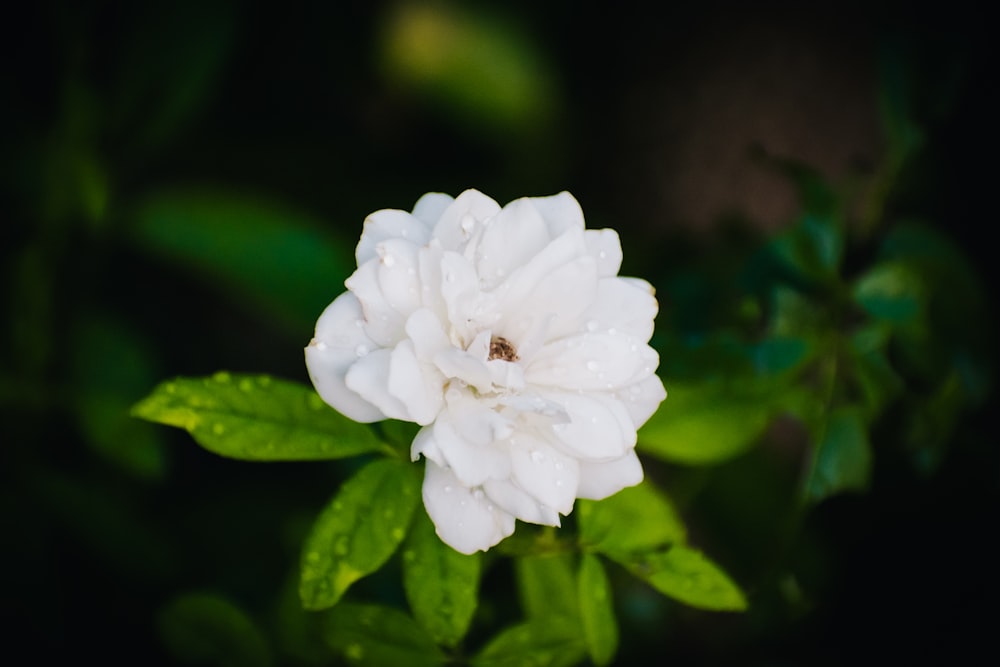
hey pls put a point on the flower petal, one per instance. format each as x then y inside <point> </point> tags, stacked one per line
<point>467,440</point>
<point>516,501</point>
<point>642,399</point>
<point>460,220</point>
<point>340,337</point>
<point>561,212</point>
<point>465,519</point>
<point>605,246</point>
<point>368,376</point>
<point>389,224</point>
<point>548,475</point>
<point>600,480</point>
<point>513,237</point>
<point>382,322</point>
<point>592,362</point>
<point>599,429</point>
<point>429,208</point>
<point>622,306</point>
<point>419,386</point>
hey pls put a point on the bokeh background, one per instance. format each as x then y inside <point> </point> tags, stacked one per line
<point>182,189</point>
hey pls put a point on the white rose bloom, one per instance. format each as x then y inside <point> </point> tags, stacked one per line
<point>508,335</point>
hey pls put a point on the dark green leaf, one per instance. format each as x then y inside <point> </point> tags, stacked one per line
<point>206,628</point>
<point>892,292</point>
<point>379,636</point>
<point>639,518</point>
<point>842,459</point>
<point>277,259</point>
<point>256,418</point>
<point>597,613</point>
<point>686,575</point>
<point>538,643</point>
<point>441,584</point>
<point>358,530</point>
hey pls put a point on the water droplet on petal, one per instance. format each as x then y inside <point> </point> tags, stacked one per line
<point>592,365</point>
<point>537,456</point>
<point>602,255</point>
<point>612,331</point>
<point>468,223</point>
<point>361,350</point>
<point>388,260</point>
<point>478,494</point>
<point>447,488</point>
<point>559,465</point>
<point>592,325</point>
<point>320,345</point>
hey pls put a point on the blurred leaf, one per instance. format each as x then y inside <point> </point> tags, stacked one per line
<point>442,585</point>
<point>298,632</point>
<point>597,614</point>
<point>795,315</point>
<point>842,457</point>
<point>358,530</point>
<point>478,68</point>
<point>277,259</point>
<point>811,251</point>
<point>256,418</point>
<point>533,644</point>
<point>547,586</point>
<point>168,68</point>
<point>205,628</point>
<point>891,291</point>
<point>709,422</point>
<point>638,518</point>
<point>379,636</point>
<point>686,575</point>
<point>875,377</point>
<point>111,367</point>
<point>932,420</point>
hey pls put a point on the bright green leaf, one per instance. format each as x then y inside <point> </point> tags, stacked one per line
<point>256,418</point>
<point>638,518</point>
<point>537,643</point>
<point>441,584</point>
<point>379,636</point>
<point>206,628</point>
<point>277,259</point>
<point>358,530</point>
<point>707,423</point>
<point>686,575</point>
<point>842,458</point>
<point>547,586</point>
<point>892,292</point>
<point>597,613</point>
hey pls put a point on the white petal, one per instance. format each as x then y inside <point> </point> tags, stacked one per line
<point>559,300</point>
<point>605,246</point>
<point>382,322</point>
<point>459,287</point>
<point>465,519</point>
<point>397,275</point>
<point>592,362</point>
<point>600,480</point>
<point>369,377</point>
<point>429,208</point>
<point>458,364</point>
<point>622,306</point>
<point>340,336</point>
<point>424,329</point>
<point>419,386</point>
<point>514,500</point>
<point>458,222</point>
<point>546,474</point>
<point>642,399</point>
<point>467,440</point>
<point>517,234</point>
<point>561,212</point>
<point>425,444</point>
<point>599,428</point>
<point>389,224</point>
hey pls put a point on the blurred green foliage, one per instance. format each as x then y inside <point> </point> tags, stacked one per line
<point>183,187</point>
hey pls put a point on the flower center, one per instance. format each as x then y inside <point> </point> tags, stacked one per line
<point>501,348</point>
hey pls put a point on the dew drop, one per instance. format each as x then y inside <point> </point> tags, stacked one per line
<point>449,277</point>
<point>354,652</point>
<point>341,546</point>
<point>388,260</point>
<point>593,420</point>
<point>559,465</point>
<point>592,365</point>
<point>612,331</point>
<point>447,488</point>
<point>559,482</point>
<point>320,345</point>
<point>602,255</point>
<point>398,533</point>
<point>359,323</point>
<point>468,224</point>
<point>246,385</point>
<point>478,494</point>
<point>218,429</point>
<point>592,325</point>
<point>361,350</point>
<point>489,508</point>
<point>537,456</point>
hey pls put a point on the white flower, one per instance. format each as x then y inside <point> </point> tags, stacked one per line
<point>508,335</point>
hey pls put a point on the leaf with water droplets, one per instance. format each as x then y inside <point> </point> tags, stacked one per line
<point>442,585</point>
<point>685,574</point>
<point>358,530</point>
<point>537,643</point>
<point>547,586</point>
<point>597,613</point>
<point>367,634</point>
<point>256,418</point>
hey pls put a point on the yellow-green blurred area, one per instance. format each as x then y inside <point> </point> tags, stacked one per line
<point>808,187</point>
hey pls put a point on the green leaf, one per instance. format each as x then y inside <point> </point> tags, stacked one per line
<point>842,458</point>
<point>379,636</point>
<point>537,643</point>
<point>638,518</point>
<point>686,575</point>
<point>708,422</point>
<point>441,584</point>
<point>358,530</point>
<point>547,586</point>
<point>892,292</point>
<point>278,260</point>
<point>597,613</point>
<point>206,628</point>
<point>256,418</point>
